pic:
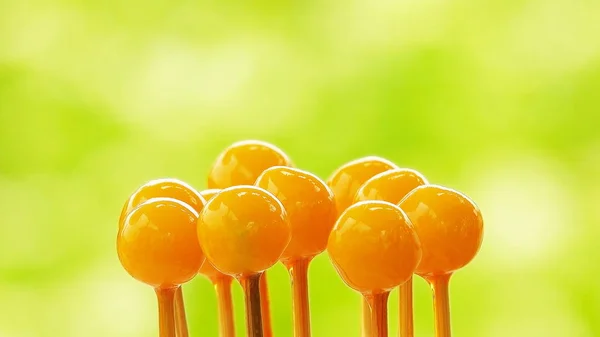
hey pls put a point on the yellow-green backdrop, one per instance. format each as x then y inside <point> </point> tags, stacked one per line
<point>499,99</point>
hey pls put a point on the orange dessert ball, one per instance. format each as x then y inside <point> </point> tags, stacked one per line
<point>210,193</point>
<point>346,180</point>
<point>158,244</point>
<point>310,207</point>
<point>242,162</point>
<point>374,247</point>
<point>390,186</point>
<point>163,188</point>
<point>243,230</point>
<point>449,226</point>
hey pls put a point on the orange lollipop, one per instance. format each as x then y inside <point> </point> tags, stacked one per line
<point>163,188</point>
<point>374,249</point>
<point>157,245</point>
<point>243,231</point>
<point>167,188</point>
<point>392,186</point>
<point>344,183</point>
<point>311,210</point>
<point>347,179</point>
<point>222,285</point>
<point>450,228</point>
<point>241,164</point>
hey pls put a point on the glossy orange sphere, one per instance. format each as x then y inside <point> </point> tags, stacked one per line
<point>374,247</point>
<point>210,193</point>
<point>390,186</point>
<point>163,188</point>
<point>242,162</point>
<point>449,225</point>
<point>346,180</point>
<point>310,207</point>
<point>243,230</point>
<point>158,244</point>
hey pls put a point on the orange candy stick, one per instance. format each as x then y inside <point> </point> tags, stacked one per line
<point>312,213</point>
<point>344,183</point>
<point>374,249</point>
<point>241,164</point>
<point>450,228</point>
<point>163,229</point>
<point>392,186</point>
<point>167,188</point>
<point>243,231</point>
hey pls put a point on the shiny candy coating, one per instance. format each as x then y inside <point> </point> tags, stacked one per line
<point>243,230</point>
<point>158,244</point>
<point>242,163</point>
<point>374,247</point>
<point>163,188</point>
<point>310,207</point>
<point>449,226</point>
<point>390,186</point>
<point>347,179</point>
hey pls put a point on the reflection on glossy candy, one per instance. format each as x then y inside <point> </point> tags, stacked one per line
<point>311,210</point>
<point>392,186</point>
<point>241,164</point>
<point>243,231</point>
<point>167,188</point>
<point>344,182</point>
<point>374,249</point>
<point>450,228</point>
<point>164,229</point>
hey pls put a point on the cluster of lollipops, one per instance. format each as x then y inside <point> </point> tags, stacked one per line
<point>379,223</point>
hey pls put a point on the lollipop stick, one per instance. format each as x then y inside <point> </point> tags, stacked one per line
<point>180,319</point>
<point>251,286</point>
<point>366,318</point>
<point>166,312</point>
<point>298,270</point>
<point>441,304</point>
<point>406,309</point>
<point>378,305</point>
<point>224,302</point>
<point>264,306</point>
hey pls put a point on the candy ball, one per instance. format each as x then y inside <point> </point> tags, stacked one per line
<point>449,226</point>
<point>243,230</point>
<point>242,162</point>
<point>347,179</point>
<point>158,244</point>
<point>163,188</point>
<point>310,207</point>
<point>391,185</point>
<point>374,247</point>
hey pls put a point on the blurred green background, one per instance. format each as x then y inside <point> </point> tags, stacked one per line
<point>499,99</point>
